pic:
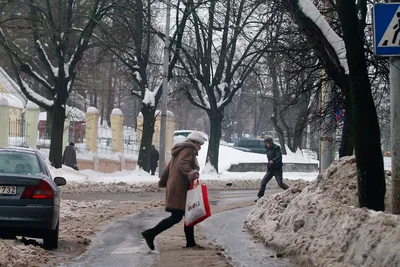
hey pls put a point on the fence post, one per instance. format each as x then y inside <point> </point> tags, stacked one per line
<point>117,124</point>
<point>4,116</point>
<point>32,112</point>
<point>66,133</point>
<point>92,127</point>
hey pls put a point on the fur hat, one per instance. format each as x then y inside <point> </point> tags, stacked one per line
<point>269,139</point>
<point>196,137</point>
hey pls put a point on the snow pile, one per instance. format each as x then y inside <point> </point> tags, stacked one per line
<point>71,209</point>
<point>320,225</point>
<point>229,156</point>
<point>120,187</point>
<point>14,253</point>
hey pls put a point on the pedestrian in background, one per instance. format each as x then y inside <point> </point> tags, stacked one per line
<point>69,156</point>
<point>154,158</point>
<point>274,165</point>
<point>182,169</point>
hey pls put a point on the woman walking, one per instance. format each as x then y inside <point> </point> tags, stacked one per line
<point>179,172</point>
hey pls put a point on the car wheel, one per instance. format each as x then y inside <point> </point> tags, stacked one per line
<point>50,241</point>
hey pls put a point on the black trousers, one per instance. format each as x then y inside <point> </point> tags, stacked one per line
<point>268,176</point>
<point>153,169</point>
<point>176,217</point>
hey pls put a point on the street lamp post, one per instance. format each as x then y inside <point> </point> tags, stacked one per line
<point>163,130</point>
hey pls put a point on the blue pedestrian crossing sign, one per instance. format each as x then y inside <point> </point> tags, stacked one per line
<point>386,19</point>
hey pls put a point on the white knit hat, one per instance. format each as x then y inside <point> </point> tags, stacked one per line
<point>196,137</point>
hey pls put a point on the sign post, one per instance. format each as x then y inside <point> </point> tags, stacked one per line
<point>387,43</point>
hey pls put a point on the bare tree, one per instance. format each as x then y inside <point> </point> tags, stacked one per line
<point>345,62</point>
<point>53,38</point>
<point>133,38</point>
<point>221,50</point>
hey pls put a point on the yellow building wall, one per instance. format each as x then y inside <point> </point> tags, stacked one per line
<point>15,116</point>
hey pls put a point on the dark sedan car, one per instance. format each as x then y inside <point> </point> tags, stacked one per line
<point>254,145</point>
<point>29,198</point>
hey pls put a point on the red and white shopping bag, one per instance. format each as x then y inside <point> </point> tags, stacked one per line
<point>197,205</point>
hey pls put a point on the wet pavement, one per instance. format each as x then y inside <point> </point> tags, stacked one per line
<point>120,244</point>
<point>226,229</point>
<point>230,196</point>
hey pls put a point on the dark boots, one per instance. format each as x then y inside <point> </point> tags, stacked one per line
<point>189,233</point>
<point>176,217</point>
<point>149,237</point>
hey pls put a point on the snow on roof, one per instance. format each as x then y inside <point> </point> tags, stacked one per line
<point>3,100</point>
<point>10,90</point>
<point>31,105</point>
<point>92,110</point>
<point>311,11</point>
<point>116,111</point>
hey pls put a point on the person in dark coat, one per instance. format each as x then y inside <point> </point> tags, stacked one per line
<point>155,156</point>
<point>69,157</point>
<point>274,165</point>
<point>177,176</point>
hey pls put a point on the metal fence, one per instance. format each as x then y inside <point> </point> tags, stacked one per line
<point>77,135</point>
<point>130,141</point>
<point>104,137</point>
<point>17,133</point>
<point>44,135</point>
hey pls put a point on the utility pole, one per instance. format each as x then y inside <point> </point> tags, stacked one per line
<point>163,129</point>
<point>326,148</point>
<point>326,140</point>
<point>395,129</point>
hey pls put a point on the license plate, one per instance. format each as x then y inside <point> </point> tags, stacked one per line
<point>8,190</point>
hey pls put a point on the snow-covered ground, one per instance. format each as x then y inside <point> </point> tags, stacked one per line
<point>320,224</point>
<point>228,156</point>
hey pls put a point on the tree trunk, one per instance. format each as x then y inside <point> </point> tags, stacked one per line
<point>147,137</point>
<point>281,136</point>
<point>49,122</point>
<point>347,141</point>
<point>371,178</point>
<point>297,141</point>
<point>215,137</point>
<point>275,91</point>
<point>57,133</point>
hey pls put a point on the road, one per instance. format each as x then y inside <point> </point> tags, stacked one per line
<point>120,243</point>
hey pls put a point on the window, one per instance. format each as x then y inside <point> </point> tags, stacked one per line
<point>19,163</point>
<point>253,143</point>
<point>262,144</point>
<point>242,143</point>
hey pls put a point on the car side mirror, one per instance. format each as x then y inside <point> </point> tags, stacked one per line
<point>60,181</point>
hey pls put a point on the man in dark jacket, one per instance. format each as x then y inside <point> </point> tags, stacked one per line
<point>274,164</point>
<point>69,157</point>
<point>155,156</point>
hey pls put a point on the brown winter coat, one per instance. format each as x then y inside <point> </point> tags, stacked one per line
<point>177,175</point>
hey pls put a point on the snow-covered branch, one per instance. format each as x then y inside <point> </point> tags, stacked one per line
<point>337,43</point>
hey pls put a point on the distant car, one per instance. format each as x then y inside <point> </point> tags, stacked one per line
<point>180,135</point>
<point>254,145</point>
<point>29,198</point>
